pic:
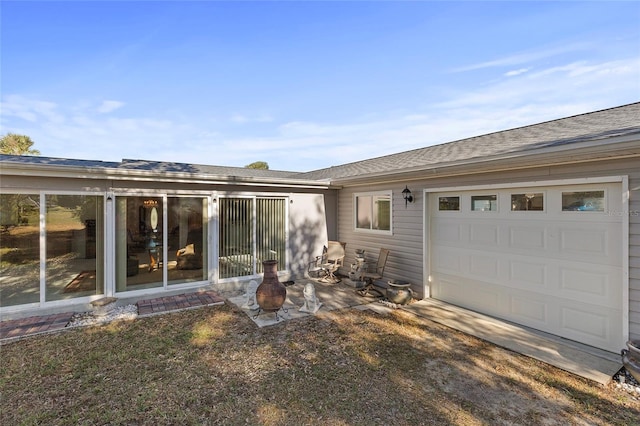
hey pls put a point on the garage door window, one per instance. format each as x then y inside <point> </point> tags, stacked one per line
<point>527,202</point>
<point>583,201</point>
<point>449,203</point>
<point>484,203</point>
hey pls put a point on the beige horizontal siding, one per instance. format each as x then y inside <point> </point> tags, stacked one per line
<point>634,252</point>
<point>406,243</point>
<point>405,260</point>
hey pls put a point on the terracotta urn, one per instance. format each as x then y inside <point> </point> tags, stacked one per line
<point>271,293</point>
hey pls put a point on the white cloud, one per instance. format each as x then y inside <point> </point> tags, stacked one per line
<point>242,118</point>
<point>238,118</point>
<point>524,57</point>
<point>523,98</point>
<point>29,109</point>
<point>109,106</point>
<point>565,84</point>
<point>516,72</point>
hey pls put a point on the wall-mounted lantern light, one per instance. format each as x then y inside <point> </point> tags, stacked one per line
<point>406,194</point>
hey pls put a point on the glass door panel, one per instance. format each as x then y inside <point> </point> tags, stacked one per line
<point>19,249</point>
<point>74,246</point>
<point>139,243</point>
<point>187,240</point>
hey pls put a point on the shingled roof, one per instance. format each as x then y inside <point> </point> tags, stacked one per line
<point>599,125</point>
<point>202,169</point>
<point>579,128</point>
<point>146,165</point>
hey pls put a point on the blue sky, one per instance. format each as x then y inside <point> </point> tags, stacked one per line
<point>303,85</point>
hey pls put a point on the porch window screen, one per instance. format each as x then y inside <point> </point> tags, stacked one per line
<point>251,230</point>
<point>270,231</point>
<point>236,237</point>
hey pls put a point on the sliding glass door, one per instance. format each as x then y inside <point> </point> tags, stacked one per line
<point>148,253</point>
<point>68,241</point>
<point>251,229</point>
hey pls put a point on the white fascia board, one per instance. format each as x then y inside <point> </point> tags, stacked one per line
<point>149,176</point>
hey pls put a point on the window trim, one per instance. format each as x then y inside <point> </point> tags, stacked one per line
<point>605,204</point>
<point>456,195</point>
<point>387,193</point>
<point>545,202</point>
<point>215,233</point>
<point>487,194</point>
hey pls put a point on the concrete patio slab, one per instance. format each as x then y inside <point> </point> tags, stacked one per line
<point>585,361</point>
<point>332,296</point>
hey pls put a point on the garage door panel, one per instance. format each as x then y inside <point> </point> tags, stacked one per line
<point>528,309</point>
<point>449,233</point>
<point>469,294</point>
<point>526,273</point>
<point>586,323</point>
<point>557,271</point>
<point>583,241</point>
<point>591,326</point>
<point>483,266</point>
<point>590,284</point>
<point>447,260</point>
<point>483,234</point>
<point>528,238</point>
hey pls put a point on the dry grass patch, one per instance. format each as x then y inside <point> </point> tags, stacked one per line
<point>214,366</point>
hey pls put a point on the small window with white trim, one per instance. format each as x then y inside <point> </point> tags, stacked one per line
<point>484,203</point>
<point>583,201</point>
<point>373,211</point>
<point>449,203</point>
<point>533,201</point>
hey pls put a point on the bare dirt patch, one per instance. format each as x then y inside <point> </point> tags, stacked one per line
<point>345,367</point>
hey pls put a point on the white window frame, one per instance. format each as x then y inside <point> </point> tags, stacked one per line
<point>216,236</point>
<point>455,195</point>
<point>487,194</point>
<point>545,202</point>
<point>605,206</point>
<point>371,230</point>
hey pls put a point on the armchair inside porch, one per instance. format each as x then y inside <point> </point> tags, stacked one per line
<point>325,266</point>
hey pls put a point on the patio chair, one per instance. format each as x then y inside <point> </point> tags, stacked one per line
<point>325,266</point>
<point>370,288</point>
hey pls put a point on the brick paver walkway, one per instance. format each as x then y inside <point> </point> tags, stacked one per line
<point>48,323</point>
<point>180,301</point>
<point>34,325</point>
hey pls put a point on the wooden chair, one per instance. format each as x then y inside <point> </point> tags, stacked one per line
<point>370,277</point>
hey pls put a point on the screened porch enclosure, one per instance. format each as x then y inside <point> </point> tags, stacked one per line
<point>251,230</point>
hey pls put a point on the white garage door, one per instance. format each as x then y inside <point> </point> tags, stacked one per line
<point>546,257</point>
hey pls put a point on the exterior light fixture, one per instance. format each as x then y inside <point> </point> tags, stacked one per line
<point>406,194</point>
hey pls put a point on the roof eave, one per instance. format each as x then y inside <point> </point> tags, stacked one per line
<point>627,146</point>
<point>40,170</point>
